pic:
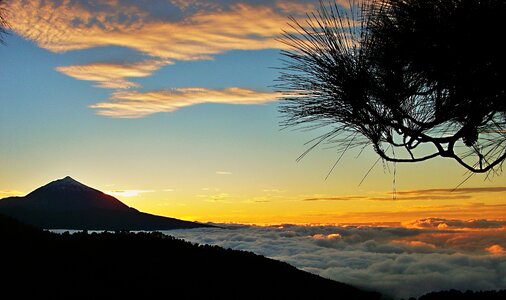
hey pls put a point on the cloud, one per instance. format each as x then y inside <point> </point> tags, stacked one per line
<point>127,193</point>
<point>166,32</point>
<point>496,250</point>
<point>407,214</point>
<point>441,223</point>
<point>273,191</point>
<point>473,190</point>
<point>197,5</point>
<point>219,197</point>
<point>113,76</point>
<point>417,244</point>
<point>135,104</point>
<point>337,198</point>
<point>332,236</point>
<point>173,31</point>
<point>426,194</point>
<point>261,200</point>
<point>390,197</point>
<point>73,25</point>
<point>291,7</point>
<point>400,262</point>
<point>461,241</point>
<point>214,197</point>
<point>223,173</point>
<point>268,195</point>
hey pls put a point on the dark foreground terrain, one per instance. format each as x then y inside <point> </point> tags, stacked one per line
<point>37,264</point>
<point>468,295</point>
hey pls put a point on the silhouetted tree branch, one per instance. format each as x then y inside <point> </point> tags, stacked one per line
<point>414,79</point>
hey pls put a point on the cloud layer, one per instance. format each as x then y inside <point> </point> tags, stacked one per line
<point>440,223</point>
<point>398,261</point>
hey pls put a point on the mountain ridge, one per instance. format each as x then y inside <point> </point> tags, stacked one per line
<point>68,204</point>
<point>147,265</point>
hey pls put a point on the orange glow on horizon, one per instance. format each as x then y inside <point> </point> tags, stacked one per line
<point>471,205</point>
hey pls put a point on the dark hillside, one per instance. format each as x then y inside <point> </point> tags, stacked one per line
<point>468,295</point>
<point>39,265</point>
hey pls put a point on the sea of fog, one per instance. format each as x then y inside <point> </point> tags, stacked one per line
<point>400,262</point>
<point>397,261</point>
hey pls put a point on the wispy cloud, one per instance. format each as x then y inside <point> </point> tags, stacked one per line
<point>471,190</point>
<point>407,214</point>
<point>424,194</point>
<point>127,193</point>
<point>113,76</point>
<point>135,104</point>
<point>273,191</point>
<point>337,198</point>
<point>223,173</point>
<point>293,7</point>
<point>198,5</point>
<point>194,35</point>
<point>214,197</point>
<point>186,31</point>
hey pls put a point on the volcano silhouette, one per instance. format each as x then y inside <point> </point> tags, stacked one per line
<point>69,204</point>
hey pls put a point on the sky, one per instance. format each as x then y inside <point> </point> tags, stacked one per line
<point>170,106</point>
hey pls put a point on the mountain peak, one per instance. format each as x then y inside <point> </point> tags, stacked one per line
<point>66,183</point>
<point>67,179</point>
<point>68,194</point>
<point>69,204</point>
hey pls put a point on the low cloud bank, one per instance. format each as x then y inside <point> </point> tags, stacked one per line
<point>397,261</point>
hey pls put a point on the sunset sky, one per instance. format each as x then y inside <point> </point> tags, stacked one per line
<point>170,107</point>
